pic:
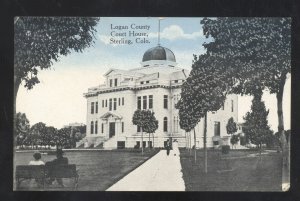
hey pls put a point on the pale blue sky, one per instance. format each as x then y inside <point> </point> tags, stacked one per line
<point>58,99</point>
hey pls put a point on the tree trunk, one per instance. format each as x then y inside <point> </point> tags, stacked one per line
<point>195,150</point>
<point>204,143</point>
<point>149,141</point>
<point>190,143</point>
<point>153,139</point>
<point>142,142</point>
<point>186,144</point>
<point>279,97</point>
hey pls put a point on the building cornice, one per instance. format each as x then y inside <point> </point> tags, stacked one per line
<point>137,88</point>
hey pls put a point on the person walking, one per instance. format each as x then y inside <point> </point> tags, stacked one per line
<point>168,147</point>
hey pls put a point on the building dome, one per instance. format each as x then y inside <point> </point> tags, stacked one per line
<point>159,53</point>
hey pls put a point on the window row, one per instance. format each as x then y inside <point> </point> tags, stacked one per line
<point>94,127</point>
<point>143,104</point>
<point>113,82</point>
<point>145,82</point>
<point>146,102</point>
<point>165,125</point>
<point>94,107</point>
<point>111,103</point>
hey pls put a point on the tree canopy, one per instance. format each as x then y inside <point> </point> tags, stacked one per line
<point>39,41</point>
<point>255,51</point>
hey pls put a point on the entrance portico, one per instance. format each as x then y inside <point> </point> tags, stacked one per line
<point>112,124</point>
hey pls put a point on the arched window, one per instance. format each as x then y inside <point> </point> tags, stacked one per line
<point>92,127</point>
<point>165,124</point>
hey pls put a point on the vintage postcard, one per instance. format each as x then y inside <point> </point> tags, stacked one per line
<point>152,104</point>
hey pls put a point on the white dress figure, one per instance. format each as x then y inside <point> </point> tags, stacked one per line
<point>175,148</point>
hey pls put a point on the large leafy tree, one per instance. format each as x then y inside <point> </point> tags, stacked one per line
<point>151,126</point>
<point>39,41</point>
<point>256,53</point>
<point>256,123</point>
<point>202,92</point>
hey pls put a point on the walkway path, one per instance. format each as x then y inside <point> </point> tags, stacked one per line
<point>159,173</point>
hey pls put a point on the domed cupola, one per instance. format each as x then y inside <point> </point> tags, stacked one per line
<point>159,53</point>
<point>158,56</point>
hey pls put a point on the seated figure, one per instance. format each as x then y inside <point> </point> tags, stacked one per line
<point>51,165</point>
<point>37,161</point>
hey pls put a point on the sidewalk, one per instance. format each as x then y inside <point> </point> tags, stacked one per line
<point>159,173</point>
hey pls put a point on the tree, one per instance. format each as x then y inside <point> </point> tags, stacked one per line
<point>187,121</point>
<point>231,127</point>
<point>142,118</point>
<point>63,138</point>
<point>256,53</point>
<point>256,123</point>
<point>202,92</point>
<point>39,41</point>
<point>22,128</point>
<point>151,126</point>
<point>51,134</point>
<point>36,132</point>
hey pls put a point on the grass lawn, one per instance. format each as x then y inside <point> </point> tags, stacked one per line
<point>98,170</point>
<point>247,173</point>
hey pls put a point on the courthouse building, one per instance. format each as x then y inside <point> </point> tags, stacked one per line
<point>155,86</point>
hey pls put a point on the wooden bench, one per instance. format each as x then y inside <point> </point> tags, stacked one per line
<point>41,172</point>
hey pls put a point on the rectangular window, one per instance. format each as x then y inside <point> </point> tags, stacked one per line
<point>92,127</point>
<point>150,101</point>
<point>217,128</point>
<point>110,82</point>
<point>106,103</point>
<point>102,128</point>
<point>144,102</point>
<point>166,101</point>
<point>102,103</point>
<point>142,82</point>
<point>138,129</point>
<point>92,108</point>
<point>175,81</point>
<point>122,127</point>
<point>96,127</point>
<point>116,82</point>
<point>110,104</point>
<point>96,107</point>
<point>139,103</point>
<point>231,105</point>
<point>147,82</point>
<point>119,101</point>
<point>122,100</point>
<point>115,103</point>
